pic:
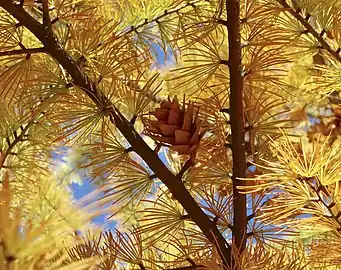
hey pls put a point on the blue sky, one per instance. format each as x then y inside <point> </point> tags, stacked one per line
<point>86,187</point>
<point>80,184</point>
<point>80,191</point>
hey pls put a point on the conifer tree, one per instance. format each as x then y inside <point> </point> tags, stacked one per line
<point>210,128</point>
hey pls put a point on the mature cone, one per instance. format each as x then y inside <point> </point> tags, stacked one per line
<point>176,126</point>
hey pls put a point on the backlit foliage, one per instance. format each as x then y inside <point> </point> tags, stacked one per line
<point>91,78</point>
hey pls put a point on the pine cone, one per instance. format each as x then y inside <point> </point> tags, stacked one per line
<point>177,127</point>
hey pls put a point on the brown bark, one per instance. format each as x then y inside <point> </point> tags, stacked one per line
<point>237,126</point>
<point>191,267</point>
<point>22,51</point>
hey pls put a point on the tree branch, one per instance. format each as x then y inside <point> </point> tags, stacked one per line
<point>11,145</point>
<point>317,189</point>
<point>310,29</point>
<point>80,79</point>
<point>172,182</point>
<point>142,266</point>
<point>188,164</point>
<point>23,51</point>
<point>191,267</point>
<point>237,127</point>
<point>166,13</point>
<point>46,15</point>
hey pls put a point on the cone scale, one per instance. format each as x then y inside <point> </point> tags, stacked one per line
<point>176,126</point>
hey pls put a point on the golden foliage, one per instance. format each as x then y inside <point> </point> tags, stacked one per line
<point>106,59</point>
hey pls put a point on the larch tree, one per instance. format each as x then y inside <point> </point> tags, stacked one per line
<point>210,129</point>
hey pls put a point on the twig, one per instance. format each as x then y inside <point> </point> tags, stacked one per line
<point>142,266</point>
<point>190,267</point>
<point>46,15</point>
<point>188,164</point>
<point>310,29</point>
<point>166,13</point>
<point>23,51</point>
<point>11,145</point>
<point>329,207</point>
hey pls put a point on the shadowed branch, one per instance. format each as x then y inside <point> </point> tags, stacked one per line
<point>236,112</point>
<point>22,51</point>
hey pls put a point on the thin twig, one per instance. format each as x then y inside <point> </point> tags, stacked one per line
<point>188,164</point>
<point>310,29</point>
<point>157,19</point>
<point>17,139</point>
<point>46,15</point>
<point>23,51</point>
<point>327,206</point>
<point>190,267</point>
